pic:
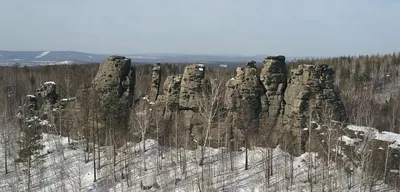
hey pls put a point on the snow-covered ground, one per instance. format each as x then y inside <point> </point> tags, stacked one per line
<point>65,169</point>
<point>390,137</point>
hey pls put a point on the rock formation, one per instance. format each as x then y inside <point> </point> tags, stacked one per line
<point>260,108</point>
<point>277,110</point>
<point>47,93</point>
<point>42,109</point>
<point>232,85</point>
<point>243,103</point>
<point>295,111</point>
<point>46,98</point>
<point>155,82</point>
<point>263,109</point>
<point>172,87</point>
<point>179,104</point>
<point>193,85</point>
<point>382,149</point>
<point>193,81</point>
<point>115,74</point>
<point>274,79</point>
<point>255,103</point>
<point>29,108</point>
<point>310,100</point>
<point>169,105</point>
<point>114,87</point>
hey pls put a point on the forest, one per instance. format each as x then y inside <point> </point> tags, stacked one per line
<point>121,155</point>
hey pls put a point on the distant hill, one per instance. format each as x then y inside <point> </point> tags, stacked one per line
<point>42,57</point>
<point>67,57</point>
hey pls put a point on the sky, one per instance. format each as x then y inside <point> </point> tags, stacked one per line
<point>217,27</point>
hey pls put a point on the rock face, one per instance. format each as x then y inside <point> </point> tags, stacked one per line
<point>115,74</point>
<point>47,93</point>
<point>155,82</point>
<point>180,105</point>
<point>193,85</point>
<point>169,104</point>
<point>113,91</point>
<point>255,104</point>
<point>42,109</point>
<point>193,81</point>
<point>310,99</point>
<point>274,79</point>
<point>269,109</point>
<point>29,108</point>
<point>231,87</point>
<point>243,103</point>
<point>47,99</point>
<point>172,87</point>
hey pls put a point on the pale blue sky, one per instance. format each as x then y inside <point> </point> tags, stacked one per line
<point>248,27</point>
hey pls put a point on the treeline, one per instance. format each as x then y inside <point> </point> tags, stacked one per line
<point>369,87</point>
<point>23,80</point>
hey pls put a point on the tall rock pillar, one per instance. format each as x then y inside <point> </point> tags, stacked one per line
<point>155,82</point>
<point>274,79</point>
<point>311,103</point>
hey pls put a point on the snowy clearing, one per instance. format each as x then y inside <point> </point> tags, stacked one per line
<point>65,169</point>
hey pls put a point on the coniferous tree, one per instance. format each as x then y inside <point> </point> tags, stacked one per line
<point>30,146</point>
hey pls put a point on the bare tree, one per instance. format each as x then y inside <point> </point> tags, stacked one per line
<point>141,118</point>
<point>210,106</point>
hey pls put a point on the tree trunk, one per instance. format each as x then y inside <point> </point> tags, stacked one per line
<point>114,153</point>
<point>386,162</point>
<point>86,153</point>
<point>98,141</point>
<point>5,157</point>
<point>143,150</point>
<point>94,153</point>
<point>246,163</point>
<point>29,175</point>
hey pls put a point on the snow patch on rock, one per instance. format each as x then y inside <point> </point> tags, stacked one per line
<point>349,141</point>
<point>49,82</point>
<point>390,137</point>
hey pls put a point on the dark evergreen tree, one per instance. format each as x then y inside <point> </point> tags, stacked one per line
<point>30,146</point>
